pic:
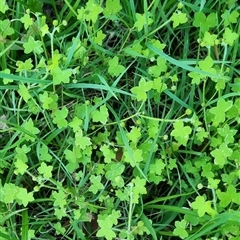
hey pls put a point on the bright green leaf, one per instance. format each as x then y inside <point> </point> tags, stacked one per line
<point>21,167</point>
<point>75,124</point>
<point>96,184</point>
<point>134,135</point>
<point>138,188</point>
<point>219,112</point>
<point>26,20</point>
<point>60,198</point>
<point>115,69</point>
<point>221,154</point>
<point>23,92</point>
<point>180,229</point>
<point>45,170</point>
<point>43,154</point>
<point>33,46</point>
<point>99,38</point>
<point>181,132</point>
<point>3,6</point>
<point>82,141</point>
<point>179,18</point>
<point>141,89</point>
<point>5,29</point>
<point>29,126</point>
<point>92,11</point>
<point>24,66</point>
<point>60,117</point>
<point>142,20</point>
<point>135,159</point>
<point>229,37</point>
<point>108,153</point>
<point>112,8</point>
<point>23,197</point>
<point>60,76</point>
<point>202,206</point>
<point>100,115</point>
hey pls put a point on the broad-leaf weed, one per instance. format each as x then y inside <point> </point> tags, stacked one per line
<point>119,120</point>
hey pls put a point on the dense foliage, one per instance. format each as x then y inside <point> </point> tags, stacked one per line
<point>119,119</point>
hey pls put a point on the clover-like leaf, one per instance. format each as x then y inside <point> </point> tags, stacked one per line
<point>43,153</point>
<point>45,170</point>
<point>229,37</point>
<point>112,8</point>
<point>142,20</point>
<point>219,112</point>
<point>205,23</point>
<point>156,70</point>
<point>3,6</point>
<point>207,171</point>
<point>21,167</point>
<point>8,195</point>
<point>113,173</point>
<point>134,135</point>
<point>135,158</point>
<point>33,46</point>
<point>100,115</point>
<point>196,77</point>
<point>60,212</point>
<point>99,38</point>
<point>60,76</point>
<point>201,134</point>
<point>221,154</point>
<point>60,117</point>
<point>178,18</point>
<point>230,17</point>
<point>140,229</point>
<point>26,20</point>
<point>227,133</point>
<point>106,223</point>
<point>202,206</point>
<point>115,69</point>
<point>208,39</point>
<point>181,133</point>
<point>29,126</point>
<point>96,184</point>
<point>5,29</point>
<point>73,158</point>
<point>92,11</point>
<point>207,64</point>
<point>23,92</point>
<point>49,100</point>
<point>44,29</point>
<point>6,80</point>
<point>213,183</point>
<point>21,153</point>
<point>59,228</point>
<point>24,66</point>
<point>138,188</point>
<point>159,85</point>
<point>142,89</point>
<point>231,195</point>
<point>180,229</point>
<point>75,124</point>
<point>60,198</point>
<point>82,141</point>
<point>23,197</point>
<point>157,167</point>
<point>107,153</point>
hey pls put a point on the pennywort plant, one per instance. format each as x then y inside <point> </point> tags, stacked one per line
<point>119,120</point>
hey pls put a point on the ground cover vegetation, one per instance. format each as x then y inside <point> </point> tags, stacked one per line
<point>119,119</point>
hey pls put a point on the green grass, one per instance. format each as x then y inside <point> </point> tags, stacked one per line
<point>120,120</point>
